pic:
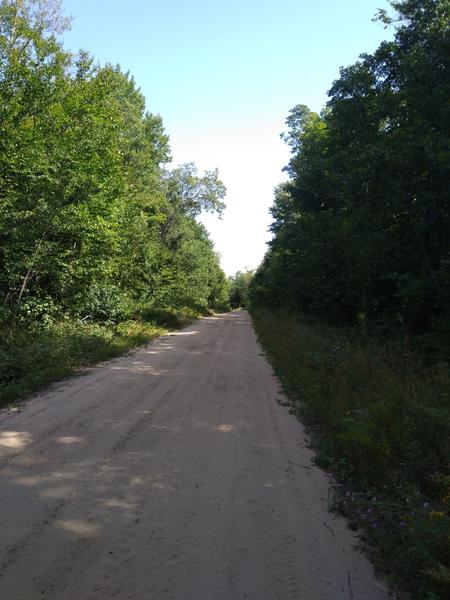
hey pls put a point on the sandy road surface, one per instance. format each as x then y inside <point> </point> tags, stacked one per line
<point>171,473</point>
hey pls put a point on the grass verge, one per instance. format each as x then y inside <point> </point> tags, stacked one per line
<point>379,419</point>
<point>31,358</point>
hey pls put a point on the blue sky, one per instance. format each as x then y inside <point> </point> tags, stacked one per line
<point>223,75</point>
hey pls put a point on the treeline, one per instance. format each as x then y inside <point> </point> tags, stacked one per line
<point>239,285</point>
<point>99,240</point>
<point>352,299</point>
<point>362,227</point>
<point>93,226</point>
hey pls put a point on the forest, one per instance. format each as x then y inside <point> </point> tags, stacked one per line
<point>98,236</point>
<point>101,250</point>
<point>352,300</point>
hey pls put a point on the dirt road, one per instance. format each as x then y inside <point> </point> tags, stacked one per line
<point>171,473</point>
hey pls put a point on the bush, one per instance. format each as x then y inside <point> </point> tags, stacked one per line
<point>32,358</point>
<point>102,303</point>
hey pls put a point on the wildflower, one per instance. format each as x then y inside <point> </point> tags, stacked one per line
<point>437,514</point>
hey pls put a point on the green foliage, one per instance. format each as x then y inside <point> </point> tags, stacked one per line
<point>362,225</point>
<point>239,285</point>
<point>190,194</point>
<point>31,359</point>
<point>94,228</point>
<point>361,234</point>
<point>380,420</point>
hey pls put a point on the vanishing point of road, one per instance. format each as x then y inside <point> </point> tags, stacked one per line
<point>171,473</point>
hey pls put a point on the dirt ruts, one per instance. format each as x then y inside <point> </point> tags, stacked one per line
<point>171,473</point>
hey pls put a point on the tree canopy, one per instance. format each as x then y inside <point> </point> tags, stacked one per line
<point>362,227</point>
<point>93,223</point>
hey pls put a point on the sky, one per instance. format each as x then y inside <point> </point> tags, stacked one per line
<point>223,75</point>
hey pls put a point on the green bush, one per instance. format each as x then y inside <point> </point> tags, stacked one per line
<point>32,358</point>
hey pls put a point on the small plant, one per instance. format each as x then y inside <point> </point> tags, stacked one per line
<point>33,357</point>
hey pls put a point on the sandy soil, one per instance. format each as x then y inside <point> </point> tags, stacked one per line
<point>171,473</point>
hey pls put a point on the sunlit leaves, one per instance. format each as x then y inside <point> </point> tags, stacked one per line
<point>89,212</point>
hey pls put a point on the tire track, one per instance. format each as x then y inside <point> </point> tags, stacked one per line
<point>172,474</point>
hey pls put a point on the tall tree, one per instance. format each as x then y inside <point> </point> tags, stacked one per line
<point>362,226</point>
<point>91,222</point>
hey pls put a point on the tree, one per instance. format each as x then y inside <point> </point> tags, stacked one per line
<point>239,288</point>
<point>92,224</point>
<point>191,194</point>
<point>362,225</point>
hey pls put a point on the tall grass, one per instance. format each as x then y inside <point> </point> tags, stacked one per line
<point>33,357</point>
<point>380,420</point>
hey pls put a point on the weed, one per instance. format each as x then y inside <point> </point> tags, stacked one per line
<point>380,420</point>
<point>33,357</point>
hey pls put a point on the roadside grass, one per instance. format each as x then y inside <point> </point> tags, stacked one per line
<point>33,357</point>
<point>379,419</point>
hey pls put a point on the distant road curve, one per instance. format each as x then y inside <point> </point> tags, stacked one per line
<point>171,473</point>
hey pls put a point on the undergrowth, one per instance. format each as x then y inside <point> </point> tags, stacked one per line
<point>32,357</point>
<point>379,419</point>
